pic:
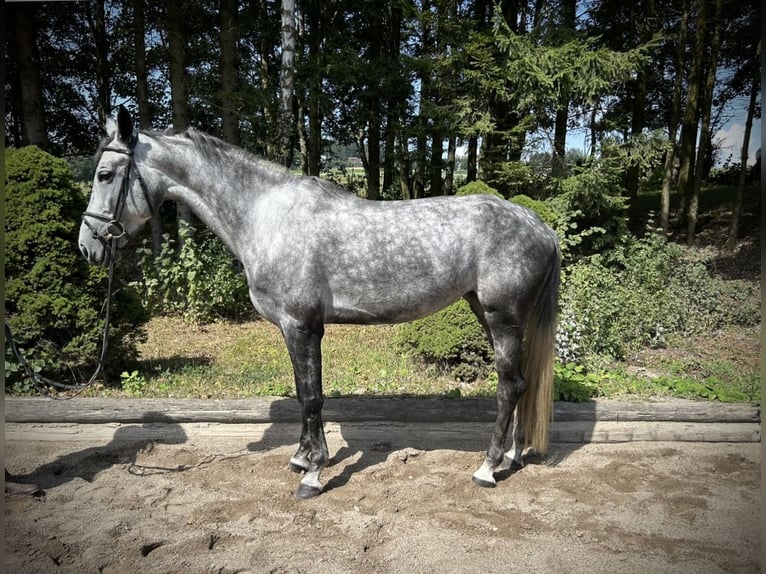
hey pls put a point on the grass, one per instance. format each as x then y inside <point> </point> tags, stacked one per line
<point>249,359</point>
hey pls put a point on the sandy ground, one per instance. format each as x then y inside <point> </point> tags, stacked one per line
<point>209,499</point>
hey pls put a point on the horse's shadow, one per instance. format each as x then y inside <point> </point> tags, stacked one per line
<point>371,450</point>
<point>123,448</point>
<point>367,450</point>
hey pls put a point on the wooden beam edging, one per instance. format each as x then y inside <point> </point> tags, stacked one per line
<point>359,409</point>
<point>451,435</point>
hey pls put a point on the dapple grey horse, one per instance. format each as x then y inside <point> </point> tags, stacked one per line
<point>315,254</point>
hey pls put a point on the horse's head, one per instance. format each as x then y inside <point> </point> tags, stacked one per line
<point>120,200</point>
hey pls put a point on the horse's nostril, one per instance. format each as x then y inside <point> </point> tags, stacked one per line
<point>84,251</point>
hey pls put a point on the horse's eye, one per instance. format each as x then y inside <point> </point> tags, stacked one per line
<point>105,176</point>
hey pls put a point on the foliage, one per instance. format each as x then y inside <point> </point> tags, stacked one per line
<point>453,339</point>
<point>573,383</point>
<point>478,188</point>
<point>591,204</point>
<point>541,208</point>
<point>201,281</point>
<point>638,294</point>
<point>518,177</point>
<point>53,297</point>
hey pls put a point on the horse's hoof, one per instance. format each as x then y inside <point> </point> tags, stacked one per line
<point>483,483</point>
<point>305,492</point>
<point>297,468</point>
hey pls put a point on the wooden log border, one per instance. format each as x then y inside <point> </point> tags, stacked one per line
<point>591,421</point>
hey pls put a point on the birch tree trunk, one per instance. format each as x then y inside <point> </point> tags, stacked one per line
<point>287,81</point>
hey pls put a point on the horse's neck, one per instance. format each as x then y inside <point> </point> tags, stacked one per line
<point>213,195</point>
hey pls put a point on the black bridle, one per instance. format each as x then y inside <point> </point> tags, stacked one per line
<point>114,228</point>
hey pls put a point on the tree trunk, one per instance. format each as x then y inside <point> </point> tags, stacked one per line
<point>394,102</point>
<point>437,162</point>
<point>638,117</point>
<point>567,28</point>
<point>449,176</point>
<point>314,40</point>
<point>389,155</point>
<point>373,104</point>
<point>731,241</point>
<point>287,81</point>
<point>558,168</point>
<point>178,97</point>
<point>142,77</point>
<point>670,158</point>
<point>472,164</point>
<point>269,132</point>
<point>403,163</point>
<point>144,110</point>
<point>707,99</point>
<point>691,113</point>
<point>97,23</point>
<point>229,72</point>
<point>33,128</point>
<point>373,155</point>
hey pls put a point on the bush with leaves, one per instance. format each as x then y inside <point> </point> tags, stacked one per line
<point>593,207</point>
<point>640,294</point>
<point>201,281</point>
<point>478,187</point>
<point>452,339</point>
<point>53,298</point>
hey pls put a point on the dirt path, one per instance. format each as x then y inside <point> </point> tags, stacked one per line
<point>206,498</point>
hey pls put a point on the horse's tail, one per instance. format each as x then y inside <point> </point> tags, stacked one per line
<point>536,404</point>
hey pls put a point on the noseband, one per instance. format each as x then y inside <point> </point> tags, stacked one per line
<point>114,228</point>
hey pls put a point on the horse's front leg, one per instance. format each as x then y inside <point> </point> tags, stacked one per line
<point>304,342</point>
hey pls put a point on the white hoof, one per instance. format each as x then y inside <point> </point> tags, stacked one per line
<point>484,476</point>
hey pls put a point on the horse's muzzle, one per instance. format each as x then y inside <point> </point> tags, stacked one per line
<point>95,256</point>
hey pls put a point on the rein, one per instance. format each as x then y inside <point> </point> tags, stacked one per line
<point>114,231</point>
<point>42,382</point>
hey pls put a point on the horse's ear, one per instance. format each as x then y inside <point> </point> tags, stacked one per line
<point>111,127</point>
<point>124,124</point>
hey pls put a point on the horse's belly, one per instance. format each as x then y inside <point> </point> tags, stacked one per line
<point>390,304</point>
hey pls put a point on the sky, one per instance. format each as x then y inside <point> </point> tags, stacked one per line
<point>730,137</point>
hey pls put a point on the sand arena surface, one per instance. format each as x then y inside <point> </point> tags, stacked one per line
<point>219,498</point>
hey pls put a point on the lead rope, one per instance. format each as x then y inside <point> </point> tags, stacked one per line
<point>42,383</point>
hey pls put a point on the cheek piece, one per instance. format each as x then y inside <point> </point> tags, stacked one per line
<point>113,228</point>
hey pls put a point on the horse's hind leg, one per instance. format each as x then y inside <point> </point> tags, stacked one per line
<point>507,336</point>
<point>514,454</point>
<point>304,345</point>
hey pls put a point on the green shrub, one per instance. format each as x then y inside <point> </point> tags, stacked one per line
<point>640,294</point>
<point>517,177</point>
<point>592,209</point>
<point>541,208</point>
<point>201,282</point>
<point>452,339</point>
<point>53,297</point>
<point>478,187</point>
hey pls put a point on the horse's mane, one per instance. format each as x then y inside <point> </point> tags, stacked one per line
<point>218,151</point>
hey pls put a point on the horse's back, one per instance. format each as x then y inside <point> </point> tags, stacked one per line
<point>399,260</point>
